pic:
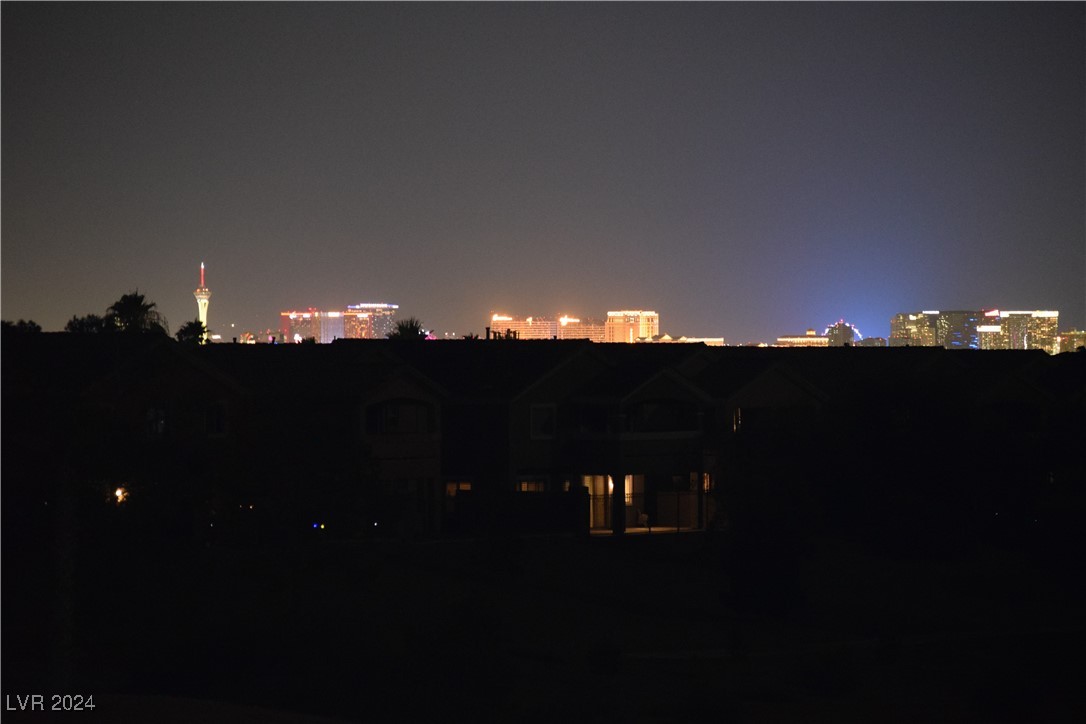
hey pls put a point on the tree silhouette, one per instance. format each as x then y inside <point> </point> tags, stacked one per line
<point>409,328</point>
<point>193,332</point>
<point>132,313</point>
<point>23,326</point>
<point>90,324</point>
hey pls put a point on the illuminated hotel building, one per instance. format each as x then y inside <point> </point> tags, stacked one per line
<point>990,336</point>
<point>631,325</point>
<point>1020,330</point>
<point>668,339</point>
<point>369,321</point>
<point>323,327</point>
<point>1071,340</point>
<point>975,330</point>
<point>523,327</point>
<point>575,328</point>
<point>358,321</point>
<point>357,325</point>
<point>811,339</point>
<point>842,334</point>
<point>1043,330</point>
<point>957,330</point>
<point>913,329</point>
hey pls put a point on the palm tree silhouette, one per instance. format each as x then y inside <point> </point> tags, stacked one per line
<point>192,332</point>
<point>409,328</point>
<point>132,313</point>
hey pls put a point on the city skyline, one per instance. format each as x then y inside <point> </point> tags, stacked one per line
<point>986,328</point>
<point>747,169</point>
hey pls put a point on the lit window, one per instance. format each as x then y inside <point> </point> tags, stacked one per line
<point>452,488</point>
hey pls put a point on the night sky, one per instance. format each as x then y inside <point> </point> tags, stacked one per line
<point>746,170</point>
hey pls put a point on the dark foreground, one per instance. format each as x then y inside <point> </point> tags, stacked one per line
<point>667,628</point>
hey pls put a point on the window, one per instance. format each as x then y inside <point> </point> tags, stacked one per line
<point>400,417</point>
<point>531,486</point>
<point>544,418</point>
<point>679,483</point>
<point>454,487</point>
<point>662,416</point>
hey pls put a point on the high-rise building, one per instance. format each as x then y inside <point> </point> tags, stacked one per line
<point>313,324</point>
<point>576,328</point>
<point>1021,330</point>
<point>915,329</point>
<point>523,327</point>
<point>1071,340</point>
<point>357,325</point>
<point>203,297</point>
<point>1030,330</point>
<point>358,321</point>
<point>331,327</point>
<point>631,325</point>
<point>1044,331</point>
<point>810,339</point>
<point>991,334</point>
<point>842,334</point>
<point>952,329</point>
<point>957,330</point>
<point>381,320</point>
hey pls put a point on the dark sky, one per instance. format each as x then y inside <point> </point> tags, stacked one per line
<point>746,170</point>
